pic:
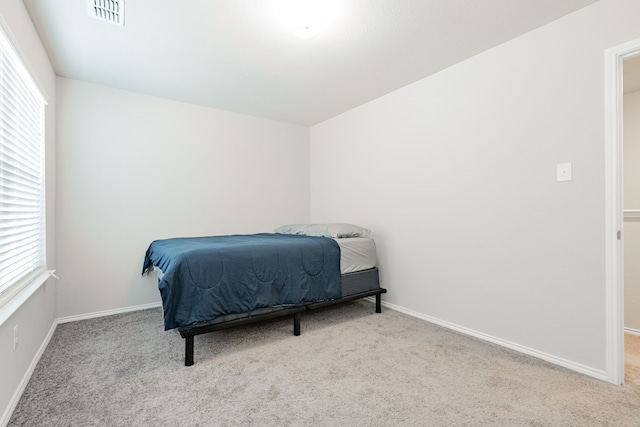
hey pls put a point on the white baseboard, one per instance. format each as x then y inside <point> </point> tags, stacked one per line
<point>586,370</point>
<point>6,416</point>
<point>108,312</point>
<point>631,331</point>
<point>4,420</point>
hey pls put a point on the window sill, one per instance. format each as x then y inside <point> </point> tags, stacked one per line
<point>17,299</point>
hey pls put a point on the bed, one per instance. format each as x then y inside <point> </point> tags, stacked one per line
<point>217,282</point>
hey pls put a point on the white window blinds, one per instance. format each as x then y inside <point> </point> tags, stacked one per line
<point>22,237</point>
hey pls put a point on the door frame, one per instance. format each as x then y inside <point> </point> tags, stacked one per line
<point>614,208</point>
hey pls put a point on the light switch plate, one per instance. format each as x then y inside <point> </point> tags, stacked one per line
<point>564,172</point>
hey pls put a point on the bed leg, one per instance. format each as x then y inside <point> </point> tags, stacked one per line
<point>296,324</point>
<point>188,351</point>
<point>378,303</point>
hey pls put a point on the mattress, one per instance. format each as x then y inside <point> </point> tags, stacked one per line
<point>360,281</point>
<point>356,254</point>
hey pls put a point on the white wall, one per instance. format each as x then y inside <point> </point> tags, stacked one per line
<point>632,201</point>
<point>134,168</point>
<point>35,317</point>
<point>456,175</point>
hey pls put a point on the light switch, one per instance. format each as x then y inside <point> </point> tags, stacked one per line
<point>564,172</point>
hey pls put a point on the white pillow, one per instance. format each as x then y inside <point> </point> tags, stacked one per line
<point>334,230</point>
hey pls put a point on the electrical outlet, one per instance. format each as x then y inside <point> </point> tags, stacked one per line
<point>16,337</point>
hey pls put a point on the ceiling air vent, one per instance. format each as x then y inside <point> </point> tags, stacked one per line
<point>111,11</point>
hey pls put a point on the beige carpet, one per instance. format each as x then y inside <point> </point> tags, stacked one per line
<point>632,359</point>
<point>350,367</point>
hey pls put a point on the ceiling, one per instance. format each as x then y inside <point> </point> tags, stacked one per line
<point>239,55</point>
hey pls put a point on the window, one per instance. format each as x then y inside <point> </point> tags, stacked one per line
<point>22,234</point>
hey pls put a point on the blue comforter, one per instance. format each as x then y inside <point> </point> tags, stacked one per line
<point>206,277</point>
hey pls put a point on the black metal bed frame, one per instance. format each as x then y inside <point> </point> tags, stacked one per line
<point>189,332</point>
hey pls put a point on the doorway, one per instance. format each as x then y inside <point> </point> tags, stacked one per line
<point>631,216</point>
<point>614,207</point>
